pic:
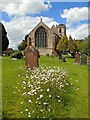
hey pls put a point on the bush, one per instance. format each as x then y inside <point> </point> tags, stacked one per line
<point>17,55</point>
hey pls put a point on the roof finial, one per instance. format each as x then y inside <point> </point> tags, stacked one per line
<point>41,19</point>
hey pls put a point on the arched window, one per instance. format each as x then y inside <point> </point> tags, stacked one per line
<point>41,38</point>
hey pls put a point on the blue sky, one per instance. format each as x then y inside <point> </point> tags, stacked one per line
<point>58,7</point>
<point>19,18</point>
<point>54,12</point>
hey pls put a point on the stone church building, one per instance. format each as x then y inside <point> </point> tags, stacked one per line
<point>45,39</point>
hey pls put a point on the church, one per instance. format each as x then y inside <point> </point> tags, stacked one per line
<point>45,39</point>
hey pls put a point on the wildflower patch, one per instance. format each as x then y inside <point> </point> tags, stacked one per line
<point>44,90</point>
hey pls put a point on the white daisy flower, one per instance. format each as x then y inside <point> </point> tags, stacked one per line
<point>26,109</point>
<point>21,102</point>
<point>29,115</point>
<point>29,101</point>
<point>41,96</point>
<point>59,100</point>
<point>49,95</point>
<point>48,90</point>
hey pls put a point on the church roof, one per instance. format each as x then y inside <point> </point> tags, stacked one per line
<point>53,29</point>
<point>61,25</point>
<point>41,23</point>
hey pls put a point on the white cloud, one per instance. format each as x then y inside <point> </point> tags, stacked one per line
<point>21,26</point>
<point>75,15</point>
<point>79,32</point>
<point>19,8</point>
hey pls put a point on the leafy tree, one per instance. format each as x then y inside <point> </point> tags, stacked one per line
<point>87,39</point>
<point>71,45</point>
<point>78,45</point>
<point>81,46</point>
<point>62,44</point>
<point>26,37</point>
<point>3,38</point>
<point>22,45</point>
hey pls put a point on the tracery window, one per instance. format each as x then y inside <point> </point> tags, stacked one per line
<point>41,38</point>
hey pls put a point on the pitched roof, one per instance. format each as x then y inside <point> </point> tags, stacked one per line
<point>41,23</point>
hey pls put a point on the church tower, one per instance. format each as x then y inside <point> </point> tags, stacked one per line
<point>61,29</point>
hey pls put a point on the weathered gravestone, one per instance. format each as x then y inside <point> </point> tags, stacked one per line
<point>77,58</point>
<point>88,61</point>
<point>31,56</point>
<point>83,59</point>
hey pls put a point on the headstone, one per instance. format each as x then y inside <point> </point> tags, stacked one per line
<point>31,56</point>
<point>88,61</point>
<point>83,59</point>
<point>77,58</point>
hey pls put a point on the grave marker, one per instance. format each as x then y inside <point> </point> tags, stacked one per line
<point>77,58</point>
<point>31,56</point>
<point>83,59</point>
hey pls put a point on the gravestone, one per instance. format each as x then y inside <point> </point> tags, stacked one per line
<point>31,56</point>
<point>77,58</point>
<point>83,59</point>
<point>88,61</point>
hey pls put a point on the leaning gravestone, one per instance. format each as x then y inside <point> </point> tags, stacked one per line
<point>31,56</point>
<point>83,59</point>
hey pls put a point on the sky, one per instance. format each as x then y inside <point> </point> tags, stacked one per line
<point>19,18</point>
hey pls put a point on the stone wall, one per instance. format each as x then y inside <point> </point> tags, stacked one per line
<point>44,51</point>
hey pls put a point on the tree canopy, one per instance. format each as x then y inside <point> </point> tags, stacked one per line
<point>3,38</point>
<point>22,45</point>
<point>72,46</point>
<point>62,45</point>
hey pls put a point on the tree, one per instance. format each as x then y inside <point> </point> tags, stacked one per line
<point>22,45</point>
<point>81,46</point>
<point>3,38</point>
<point>71,45</point>
<point>62,44</point>
<point>27,37</point>
<point>87,39</point>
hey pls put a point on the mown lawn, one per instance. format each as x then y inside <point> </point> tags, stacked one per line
<point>78,77</point>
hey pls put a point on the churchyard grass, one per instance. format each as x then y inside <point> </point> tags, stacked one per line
<point>15,105</point>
